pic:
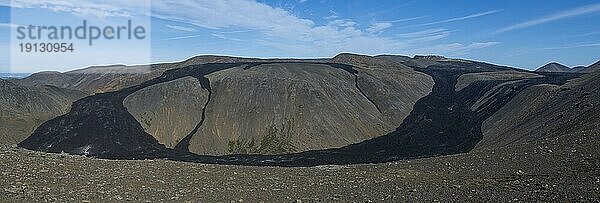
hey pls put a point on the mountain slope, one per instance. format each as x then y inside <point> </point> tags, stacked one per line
<point>293,107</point>
<point>22,109</point>
<point>543,111</point>
<point>467,79</point>
<point>168,111</point>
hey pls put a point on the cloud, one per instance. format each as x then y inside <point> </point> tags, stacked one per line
<point>422,33</point>
<point>5,2</point>
<point>270,26</point>
<point>222,36</point>
<point>99,8</point>
<point>455,49</point>
<point>181,28</point>
<point>235,31</point>
<point>554,17</point>
<point>461,18</point>
<point>407,19</point>
<point>587,34</point>
<point>279,28</point>
<point>342,23</point>
<point>377,27</point>
<point>331,17</point>
<point>8,25</point>
<point>380,26</point>
<point>226,14</point>
<point>572,47</point>
<point>184,37</point>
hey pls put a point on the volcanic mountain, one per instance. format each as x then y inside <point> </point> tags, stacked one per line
<point>289,112</point>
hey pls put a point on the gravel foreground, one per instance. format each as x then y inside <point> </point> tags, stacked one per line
<point>563,169</point>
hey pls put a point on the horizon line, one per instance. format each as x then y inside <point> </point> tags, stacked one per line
<point>286,57</point>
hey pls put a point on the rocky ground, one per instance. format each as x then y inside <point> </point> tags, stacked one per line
<point>561,169</point>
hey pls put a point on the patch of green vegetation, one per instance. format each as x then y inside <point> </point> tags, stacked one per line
<point>251,144</point>
<point>147,122</point>
<point>231,145</point>
<point>240,147</point>
<point>278,140</point>
<point>147,119</point>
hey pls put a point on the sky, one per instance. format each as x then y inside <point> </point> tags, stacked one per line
<point>523,34</point>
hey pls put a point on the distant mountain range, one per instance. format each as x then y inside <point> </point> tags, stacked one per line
<point>299,112</point>
<point>559,68</point>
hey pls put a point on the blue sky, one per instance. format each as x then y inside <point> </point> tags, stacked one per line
<point>525,34</point>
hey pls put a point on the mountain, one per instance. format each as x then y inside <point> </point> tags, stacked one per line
<point>22,109</point>
<point>554,67</point>
<point>348,109</point>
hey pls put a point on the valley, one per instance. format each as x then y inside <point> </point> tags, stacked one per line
<point>382,128</point>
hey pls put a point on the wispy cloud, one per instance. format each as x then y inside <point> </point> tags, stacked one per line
<point>342,23</point>
<point>425,35</point>
<point>99,8</point>
<point>421,33</point>
<point>455,49</point>
<point>235,31</point>
<point>184,37</point>
<point>8,25</point>
<point>377,27</point>
<point>181,28</point>
<point>554,17</point>
<point>461,18</point>
<point>222,36</point>
<point>572,47</point>
<point>587,34</point>
<point>383,9</point>
<point>406,19</point>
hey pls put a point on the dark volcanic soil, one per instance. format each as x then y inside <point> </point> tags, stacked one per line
<point>562,169</point>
